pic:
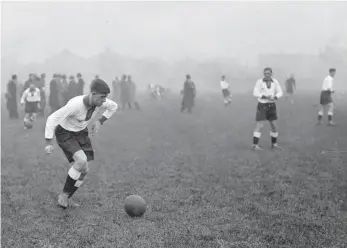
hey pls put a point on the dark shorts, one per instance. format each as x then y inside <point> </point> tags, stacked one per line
<point>71,142</point>
<point>31,107</point>
<point>225,92</point>
<point>325,98</point>
<point>266,112</point>
<point>290,91</point>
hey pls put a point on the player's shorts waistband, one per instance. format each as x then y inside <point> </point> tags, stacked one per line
<point>266,103</point>
<point>60,129</point>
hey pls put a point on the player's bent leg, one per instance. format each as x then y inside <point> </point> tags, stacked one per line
<point>330,114</point>
<point>80,165</point>
<point>320,114</point>
<point>74,178</point>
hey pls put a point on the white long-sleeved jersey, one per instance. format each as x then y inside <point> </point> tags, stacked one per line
<point>224,85</point>
<point>73,116</point>
<point>33,96</point>
<point>328,83</point>
<point>261,90</point>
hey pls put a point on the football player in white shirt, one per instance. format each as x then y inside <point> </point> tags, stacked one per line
<point>225,91</point>
<point>31,98</point>
<point>326,100</point>
<point>267,90</point>
<point>69,124</point>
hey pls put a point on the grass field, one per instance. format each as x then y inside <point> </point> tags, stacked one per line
<point>203,184</point>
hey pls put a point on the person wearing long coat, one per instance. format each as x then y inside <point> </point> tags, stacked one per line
<point>12,105</point>
<point>132,88</point>
<point>116,89</point>
<point>125,92</point>
<point>189,93</point>
<point>80,84</point>
<point>41,86</point>
<point>73,89</point>
<point>55,100</point>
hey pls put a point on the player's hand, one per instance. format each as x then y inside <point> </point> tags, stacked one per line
<point>49,149</point>
<point>95,127</point>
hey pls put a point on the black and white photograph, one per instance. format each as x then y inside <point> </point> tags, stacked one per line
<point>173,124</point>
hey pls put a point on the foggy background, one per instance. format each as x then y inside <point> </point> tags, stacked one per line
<point>160,42</point>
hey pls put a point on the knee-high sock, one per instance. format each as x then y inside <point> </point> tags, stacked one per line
<point>77,184</point>
<point>71,179</point>
<point>274,136</point>
<point>256,137</point>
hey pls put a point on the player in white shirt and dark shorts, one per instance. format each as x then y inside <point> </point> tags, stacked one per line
<point>225,91</point>
<point>267,90</point>
<point>326,100</point>
<point>69,124</point>
<point>31,98</point>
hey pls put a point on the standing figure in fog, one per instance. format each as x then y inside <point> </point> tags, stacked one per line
<point>124,92</point>
<point>132,87</point>
<point>80,83</point>
<point>11,97</point>
<point>41,86</point>
<point>326,100</point>
<point>290,87</point>
<point>225,91</point>
<point>267,90</point>
<point>116,89</point>
<point>189,93</point>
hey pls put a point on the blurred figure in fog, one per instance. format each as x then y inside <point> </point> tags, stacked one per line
<point>11,97</point>
<point>80,83</point>
<point>153,91</point>
<point>55,100</point>
<point>64,89</point>
<point>326,100</point>
<point>125,92</point>
<point>189,93</point>
<point>267,90</point>
<point>225,91</point>
<point>290,87</point>
<point>41,86</point>
<point>32,80</point>
<point>72,88</point>
<point>132,87</point>
<point>116,89</point>
<point>31,98</point>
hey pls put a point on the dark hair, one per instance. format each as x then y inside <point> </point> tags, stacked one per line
<point>332,70</point>
<point>79,75</point>
<point>99,86</point>
<point>14,77</point>
<point>268,69</point>
<point>187,76</point>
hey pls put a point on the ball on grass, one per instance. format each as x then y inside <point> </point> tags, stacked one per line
<point>135,206</point>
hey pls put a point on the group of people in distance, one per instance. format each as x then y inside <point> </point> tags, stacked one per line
<point>68,123</point>
<point>124,92</point>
